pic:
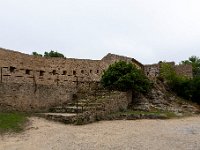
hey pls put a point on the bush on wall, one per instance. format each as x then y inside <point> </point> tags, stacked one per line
<point>125,76</point>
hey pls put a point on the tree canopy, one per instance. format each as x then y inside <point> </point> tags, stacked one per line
<point>36,54</point>
<point>53,54</point>
<point>184,87</point>
<point>125,76</point>
<point>49,54</point>
<point>167,72</point>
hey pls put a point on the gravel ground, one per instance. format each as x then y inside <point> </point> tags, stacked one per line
<point>174,134</point>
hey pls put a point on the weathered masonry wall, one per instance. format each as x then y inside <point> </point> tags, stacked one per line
<point>27,97</point>
<point>184,70</point>
<point>21,68</point>
<point>30,83</point>
<point>153,71</point>
<point>111,58</point>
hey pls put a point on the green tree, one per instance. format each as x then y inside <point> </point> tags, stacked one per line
<point>49,54</point>
<point>196,90</point>
<point>36,54</point>
<point>195,62</point>
<point>53,54</point>
<point>167,72</point>
<point>125,76</point>
<point>181,85</point>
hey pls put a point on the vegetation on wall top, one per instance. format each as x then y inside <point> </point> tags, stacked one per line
<point>49,54</point>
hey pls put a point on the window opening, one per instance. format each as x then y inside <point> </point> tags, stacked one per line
<point>54,72</point>
<point>28,71</point>
<point>12,69</point>
<point>64,72</point>
<point>41,73</point>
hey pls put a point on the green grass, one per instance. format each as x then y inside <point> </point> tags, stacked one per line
<point>12,122</point>
<point>132,112</point>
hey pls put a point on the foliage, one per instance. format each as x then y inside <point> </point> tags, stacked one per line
<point>125,76</point>
<point>167,72</point>
<point>53,54</point>
<point>183,86</point>
<point>156,113</point>
<point>36,54</point>
<point>11,122</point>
<point>195,86</point>
<point>195,62</point>
<point>49,54</point>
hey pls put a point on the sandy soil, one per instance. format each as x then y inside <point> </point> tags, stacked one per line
<point>180,134</point>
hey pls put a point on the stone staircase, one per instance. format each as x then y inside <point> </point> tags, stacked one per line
<point>92,101</point>
<point>66,118</point>
<point>77,108</point>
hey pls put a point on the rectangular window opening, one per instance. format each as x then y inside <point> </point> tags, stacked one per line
<point>41,73</point>
<point>64,72</point>
<point>12,69</point>
<point>54,72</point>
<point>28,71</point>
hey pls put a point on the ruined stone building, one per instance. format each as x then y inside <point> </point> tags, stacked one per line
<point>34,83</point>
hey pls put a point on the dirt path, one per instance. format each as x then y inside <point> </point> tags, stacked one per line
<point>180,134</point>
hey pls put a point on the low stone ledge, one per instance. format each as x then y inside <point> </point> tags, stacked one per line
<point>136,116</point>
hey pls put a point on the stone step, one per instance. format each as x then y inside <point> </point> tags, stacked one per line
<point>93,91</point>
<point>94,94</point>
<point>84,103</point>
<point>66,109</point>
<point>98,94</point>
<point>61,117</point>
<point>80,109</point>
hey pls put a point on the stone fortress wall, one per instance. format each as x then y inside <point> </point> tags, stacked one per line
<point>21,68</point>
<point>185,70</point>
<point>33,83</point>
<point>152,71</point>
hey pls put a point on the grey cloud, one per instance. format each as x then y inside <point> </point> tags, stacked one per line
<point>146,30</point>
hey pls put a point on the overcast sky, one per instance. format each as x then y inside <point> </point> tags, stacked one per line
<point>148,30</point>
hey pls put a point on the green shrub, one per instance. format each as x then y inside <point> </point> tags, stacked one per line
<point>125,76</point>
<point>53,54</point>
<point>49,54</point>
<point>184,87</point>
